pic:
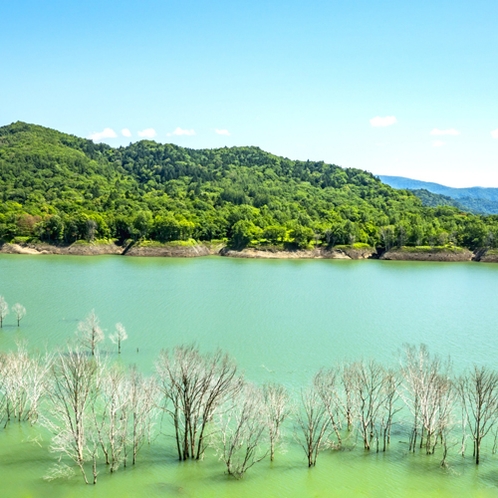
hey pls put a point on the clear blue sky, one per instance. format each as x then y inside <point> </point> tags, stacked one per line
<point>300,79</point>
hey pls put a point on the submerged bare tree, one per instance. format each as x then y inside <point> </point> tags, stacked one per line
<point>390,406</point>
<point>276,405</point>
<point>312,424</point>
<point>478,392</point>
<point>110,416</point>
<point>241,427</point>
<point>193,386</point>
<point>20,311</point>
<point>75,383</point>
<point>327,386</point>
<point>4,310</point>
<point>347,402</point>
<point>119,336</point>
<point>89,332</point>
<point>143,393</point>
<point>425,385</point>
<point>23,380</point>
<point>368,396</point>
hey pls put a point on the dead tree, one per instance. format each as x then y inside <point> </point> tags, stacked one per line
<point>110,416</point>
<point>312,424</point>
<point>390,406</point>
<point>23,382</point>
<point>142,393</point>
<point>444,425</point>
<point>326,384</point>
<point>89,333</point>
<point>276,404</point>
<point>119,336</point>
<point>72,393</point>
<point>347,386</point>
<point>240,431</point>
<point>4,310</point>
<point>20,311</point>
<point>193,386</point>
<point>368,396</point>
<point>424,379</point>
<point>478,392</point>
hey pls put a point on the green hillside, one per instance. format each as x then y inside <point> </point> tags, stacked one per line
<point>60,188</point>
<point>475,199</point>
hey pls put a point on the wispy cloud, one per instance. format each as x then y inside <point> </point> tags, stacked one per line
<point>451,131</point>
<point>438,143</point>
<point>100,135</point>
<point>494,133</point>
<point>147,133</point>
<point>378,121</point>
<point>126,132</point>
<point>222,132</point>
<point>180,131</point>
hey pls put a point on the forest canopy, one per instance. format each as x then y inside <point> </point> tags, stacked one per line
<point>59,188</point>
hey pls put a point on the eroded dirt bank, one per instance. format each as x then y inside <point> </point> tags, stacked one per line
<point>198,250</point>
<point>436,255</point>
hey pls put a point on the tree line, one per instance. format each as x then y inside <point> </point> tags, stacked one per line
<point>59,189</point>
<point>101,414</point>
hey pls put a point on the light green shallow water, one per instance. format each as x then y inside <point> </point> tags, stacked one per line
<point>282,320</point>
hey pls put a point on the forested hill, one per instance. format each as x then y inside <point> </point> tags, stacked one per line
<point>60,188</point>
<point>476,199</point>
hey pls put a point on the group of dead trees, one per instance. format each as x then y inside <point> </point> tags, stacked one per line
<point>210,403</point>
<point>17,309</point>
<point>89,334</point>
<point>98,413</point>
<point>351,401</point>
<point>362,401</point>
<point>101,414</point>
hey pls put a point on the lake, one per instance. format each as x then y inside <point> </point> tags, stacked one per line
<point>281,320</point>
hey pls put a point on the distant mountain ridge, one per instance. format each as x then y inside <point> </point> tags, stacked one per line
<point>476,199</point>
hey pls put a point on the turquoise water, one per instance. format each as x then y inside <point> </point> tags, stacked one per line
<point>281,320</point>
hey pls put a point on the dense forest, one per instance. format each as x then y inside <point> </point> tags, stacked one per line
<point>59,188</point>
<point>483,200</point>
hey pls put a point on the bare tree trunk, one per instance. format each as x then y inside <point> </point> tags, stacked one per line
<point>312,424</point>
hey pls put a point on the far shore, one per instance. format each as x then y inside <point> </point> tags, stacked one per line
<point>179,250</point>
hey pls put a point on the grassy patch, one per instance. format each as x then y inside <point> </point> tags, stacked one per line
<point>175,243</point>
<point>357,245</point>
<point>21,240</point>
<point>431,249</point>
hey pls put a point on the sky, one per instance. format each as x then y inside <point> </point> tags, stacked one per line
<point>392,87</point>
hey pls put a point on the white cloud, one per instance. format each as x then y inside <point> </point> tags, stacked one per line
<point>147,133</point>
<point>438,143</point>
<point>222,132</point>
<point>451,131</point>
<point>126,132</point>
<point>100,135</point>
<point>381,122</point>
<point>180,131</point>
<point>494,133</point>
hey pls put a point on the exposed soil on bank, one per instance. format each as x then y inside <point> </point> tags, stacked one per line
<point>74,249</point>
<point>435,255</point>
<point>488,256</point>
<point>270,253</point>
<point>174,251</point>
<point>198,250</point>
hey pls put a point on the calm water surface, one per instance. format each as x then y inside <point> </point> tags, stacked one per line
<point>282,320</point>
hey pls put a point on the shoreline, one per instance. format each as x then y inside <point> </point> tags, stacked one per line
<point>200,250</point>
